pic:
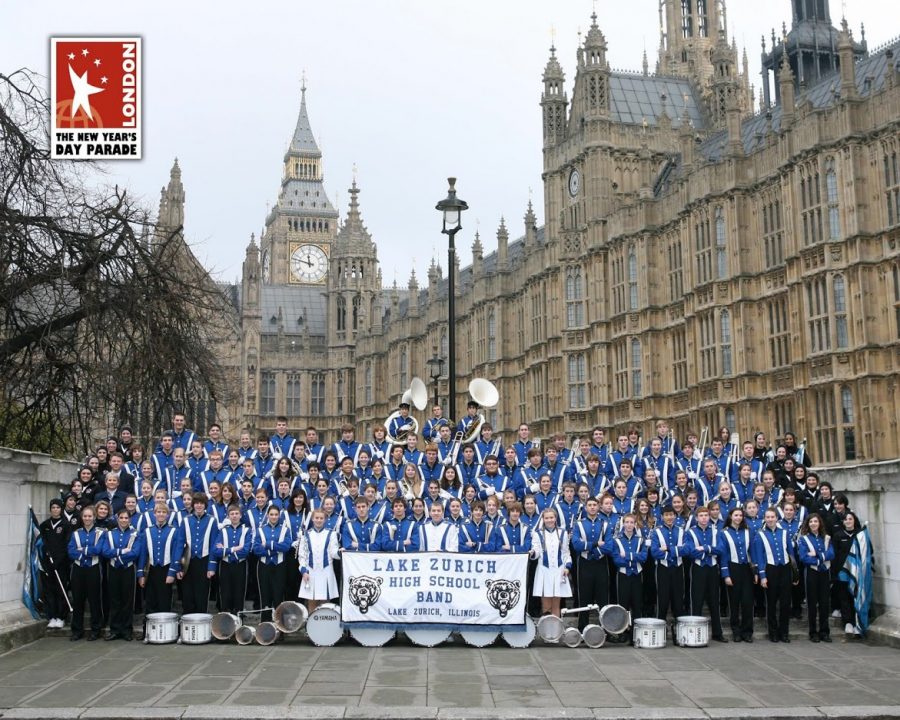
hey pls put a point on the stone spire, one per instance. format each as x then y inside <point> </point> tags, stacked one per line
<point>530,227</point>
<point>303,141</point>
<point>413,294</point>
<point>171,201</point>
<point>848,64</point>
<point>786,89</point>
<point>554,102</point>
<point>502,246</point>
<point>477,256</point>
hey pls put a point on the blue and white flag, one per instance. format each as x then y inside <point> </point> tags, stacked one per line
<point>858,572</point>
<point>34,544</point>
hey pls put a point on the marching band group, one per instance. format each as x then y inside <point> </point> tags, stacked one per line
<point>663,527</point>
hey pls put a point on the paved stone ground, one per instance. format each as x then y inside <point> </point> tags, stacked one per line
<point>800,680</point>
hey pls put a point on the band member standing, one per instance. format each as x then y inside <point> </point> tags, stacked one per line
<point>433,424</point>
<point>589,536</point>
<point>361,533</point>
<point>122,549</point>
<point>701,545</point>
<point>438,533</point>
<point>196,534</point>
<point>815,551</point>
<point>156,567</point>
<point>399,533</point>
<point>667,548</point>
<point>514,536</point>
<point>55,532</point>
<point>477,535</point>
<point>628,553</point>
<point>229,554</point>
<point>271,542</point>
<point>85,548</point>
<point>318,549</point>
<point>735,545</point>
<point>773,552</point>
<point>550,545</point>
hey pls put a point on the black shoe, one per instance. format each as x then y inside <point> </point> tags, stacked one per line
<point>93,636</point>
<point>127,637</point>
<point>76,638</point>
<point>785,639</point>
<point>720,638</point>
<point>773,637</point>
<point>825,637</point>
<point>814,638</point>
<point>736,638</point>
<point>748,638</point>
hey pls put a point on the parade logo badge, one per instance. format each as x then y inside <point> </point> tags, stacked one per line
<point>503,595</point>
<point>364,591</point>
<point>95,95</point>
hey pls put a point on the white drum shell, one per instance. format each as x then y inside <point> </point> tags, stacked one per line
<point>521,638</point>
<point>571,637</point>
<point>324,625</point>
<point>267,633</point>
<point>290,616</point>
<point>649,633</point>
<point>244,634</point>
<point>162,628</point>
<point>196,628</point>
<point>550,628</point>
<point>224,625</point>
<point>614,619</point>
<point>594,636</point>
<point>425,637</point>
<point>372,637</point>
<point>692,631</point>
<point>479,639</point>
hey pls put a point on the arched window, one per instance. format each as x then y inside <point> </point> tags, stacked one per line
<point>725,340</point>
<point>840,312</point>
<point>577,381</point>
<point>340,394</point>
<point>491,335</point>
<point>730,419</point>
<point>341,314</point>
<point>636,377</point>
<point>574,297</point>
<point>367,382</point>
<point>687,22</point>
<point>831,192</point>
<point>721,244</point>
<point>847,422</point>
<point>356,304</point>
<point>632,280</point>
<point>702,19</point>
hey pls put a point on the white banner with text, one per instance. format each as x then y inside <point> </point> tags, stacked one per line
<point>434,589</point>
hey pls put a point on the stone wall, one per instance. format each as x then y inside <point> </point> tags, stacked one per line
<point>25,479</point>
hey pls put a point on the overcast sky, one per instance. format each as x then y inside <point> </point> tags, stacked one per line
<point>409,91</point>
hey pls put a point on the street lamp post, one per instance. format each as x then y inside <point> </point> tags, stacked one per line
<point>436,368</point>
<point>452,208</point>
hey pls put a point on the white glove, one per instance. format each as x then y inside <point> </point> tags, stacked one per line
<point>409,495</point>
<point>408,426</point>
<point>535,488</point>
<point>447,461</point>
<point>489,490</point>
<point>446,494</point>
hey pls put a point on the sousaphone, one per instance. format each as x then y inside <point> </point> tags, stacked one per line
<point>485,393</point>
<point>416,395</point>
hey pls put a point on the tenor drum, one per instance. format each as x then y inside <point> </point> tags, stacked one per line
<point>614,619</point>
<point>521,638</point>
<point>649,633</point>
<point>550,628</point>
<point>372,637</point>
<point>594,636</point>
<point>267,633</point>
<point>479,639</point>
<point>224,625</point>
<point>692,631</point>
<point>162,628</point>
<point>571,637</point>
<point>324,625</point>
<point>290,616</point>
<point>196,628</point>
<point>425,637</point>
<point>245,634</point>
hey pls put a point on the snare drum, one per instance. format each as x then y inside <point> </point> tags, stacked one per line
<point>196,628</point>
<point>479,639</point>
<point>550,628</point>
<point>425,637</point>
<point>324,625</point>
<point>594,636</point>
<point>649,633</point>
<point>290,616</point>
<point>571,637</point>
<point>224,625</point>
<point>267,633</point>
<point>372,637</point>
<point>692,631</point>
<point>162,628</point>
<point>245,634</point>
<point>521,638</point>
<point>614,619</point>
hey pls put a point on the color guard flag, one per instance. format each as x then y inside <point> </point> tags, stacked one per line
<point>858,572</point>
<point>95,93</point>
<point>31,594</point>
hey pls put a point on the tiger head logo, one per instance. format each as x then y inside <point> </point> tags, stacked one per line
<point>503,595</point>
<point>364,591</point>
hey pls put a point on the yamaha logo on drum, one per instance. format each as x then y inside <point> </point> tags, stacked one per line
<point>503,595</point>
<point>364,591</point>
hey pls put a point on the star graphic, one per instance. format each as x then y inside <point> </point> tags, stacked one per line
<point>83,92</point>
<point>71,56</point>
<point>97,62</point>
<point>104,79</point>
<point>84,52</point>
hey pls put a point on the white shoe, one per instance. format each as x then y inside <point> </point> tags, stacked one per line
<point>849,629</point>
<point>53,623</point>
<point>836,613</point>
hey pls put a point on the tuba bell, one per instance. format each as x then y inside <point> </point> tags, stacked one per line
<point>417,395</point>
<point>485,394</point>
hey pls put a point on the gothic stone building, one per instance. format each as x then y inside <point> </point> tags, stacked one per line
<point>699,261</point>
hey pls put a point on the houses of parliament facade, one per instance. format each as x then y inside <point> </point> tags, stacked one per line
<point>706,258</point>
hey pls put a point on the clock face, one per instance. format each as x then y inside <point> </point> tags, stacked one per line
<point>309,263</point>
<point>267,266</point>
<point>574,182</point>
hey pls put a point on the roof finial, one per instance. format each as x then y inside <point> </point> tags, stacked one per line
<point>552,39</point>
<point>303,82</point>
<point>354,174</point>
<point>594,14</point>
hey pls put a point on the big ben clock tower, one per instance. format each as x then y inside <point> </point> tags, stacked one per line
<point>301,227</point>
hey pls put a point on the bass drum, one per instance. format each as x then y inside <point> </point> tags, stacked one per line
<point>614,619</point>
<point>521,638</point>
<point>550,628</point>
<point>372,637</point>
<point>324,625</point>
<point>479,639</point>
<point>427,638</point>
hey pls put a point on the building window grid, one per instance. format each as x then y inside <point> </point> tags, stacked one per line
<point>676,271</point>
<point>637,384</point>
<point>491,335</point>
<point>848,431</point>
<point>779,334</point>
<point>818,322</point>
<point>831,196</point>
<point>577,381</point>
<point>293,407</point>
<point>839,295</point>
<point>896,273</point>
<point>892,187</point>
<point>621,371</point>
<point>703,250</point>
<point>721,245</point>
<point>367,383</point>
<point>539,395</point>
<point>708,350</point>
<point>618,273</point>
<point>826,426</point>
<point>340,394</point>
<point>317,395</point>
<point>404,369</point>
<point>632,280</point>
<point>574,297</point>
<point>810,204</point>
<point>773,234</point>
<point>725,341</point>
<point>267,394</point>
<point>784,417</point>
<point>679,359</point>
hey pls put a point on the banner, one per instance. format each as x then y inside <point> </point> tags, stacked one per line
<point>435,590</point>
<point>31,592</point>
